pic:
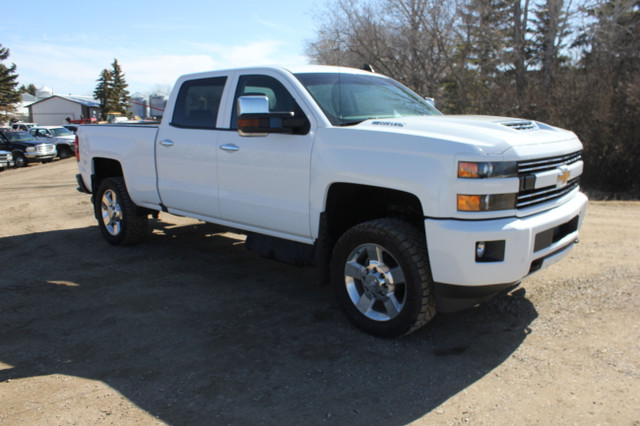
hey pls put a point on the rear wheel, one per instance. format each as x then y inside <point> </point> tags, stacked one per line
<point>381,276</point>
<point>119,218</point>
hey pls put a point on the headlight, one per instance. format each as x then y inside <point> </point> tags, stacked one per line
<point>9,157</point>
<point>487,169</point>
<point>486,203</point>
<point>30,149</point>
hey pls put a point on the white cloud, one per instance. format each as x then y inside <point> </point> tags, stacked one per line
<point>70,69</point>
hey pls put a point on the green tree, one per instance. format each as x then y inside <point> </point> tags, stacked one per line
<point>104,92</point>
<point>30,89</point>
<point>9,96</point>
<point>121,96</point>
<point>111,91</point>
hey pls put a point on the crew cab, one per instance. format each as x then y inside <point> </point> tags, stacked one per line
<point>63,138</point>
<point>404,210</point>
<point>26,149</point>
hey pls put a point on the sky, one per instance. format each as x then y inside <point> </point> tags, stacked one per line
<point>65,45</point>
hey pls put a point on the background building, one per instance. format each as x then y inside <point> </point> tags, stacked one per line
<point>54,110</point>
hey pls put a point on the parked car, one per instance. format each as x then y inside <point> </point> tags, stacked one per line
<point>26,149</point>
<point>64,139</point>
<point>22,127</point>
<point>6,160</point>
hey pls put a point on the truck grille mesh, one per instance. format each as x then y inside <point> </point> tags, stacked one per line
<point>45,148</point>
<point>532,197</point>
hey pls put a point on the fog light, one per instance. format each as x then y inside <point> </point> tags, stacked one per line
<point>490,251</point>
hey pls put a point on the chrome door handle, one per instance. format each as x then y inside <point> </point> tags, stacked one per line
<point>229,147</point>
<point>166,143</point>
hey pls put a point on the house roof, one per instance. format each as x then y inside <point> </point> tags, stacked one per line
<point>82,100</point>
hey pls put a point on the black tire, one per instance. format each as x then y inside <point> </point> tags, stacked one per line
<point>64,151</point>
<point>381,276</point>
<point>119,219</point>
<point>19,160</point>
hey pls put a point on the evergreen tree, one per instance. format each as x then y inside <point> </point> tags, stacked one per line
<point>30,89</point>
<point>121,98</point>
<point>104,92</point>
<point>111,91</point>
<point>549,32</point>
<point>9,96</point>
<point>485,36</point>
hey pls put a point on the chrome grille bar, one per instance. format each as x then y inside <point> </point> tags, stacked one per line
<point>543,164</point>
<point>528,169</point>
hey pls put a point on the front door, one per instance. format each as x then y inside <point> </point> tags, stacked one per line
<point>264,180</point>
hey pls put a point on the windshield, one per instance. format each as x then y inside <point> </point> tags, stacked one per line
<point>348,99</point>
<point>61,131</point>
<point>20,137</point>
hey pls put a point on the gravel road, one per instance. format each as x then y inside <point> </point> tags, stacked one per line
<point>191,328</point>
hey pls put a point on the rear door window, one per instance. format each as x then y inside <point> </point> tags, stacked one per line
<point>198,103</point>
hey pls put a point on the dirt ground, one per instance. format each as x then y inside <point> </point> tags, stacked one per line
<point>191,328</point>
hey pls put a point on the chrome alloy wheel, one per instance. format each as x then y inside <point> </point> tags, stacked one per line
<point>375,282</point>
<point>111,212</point>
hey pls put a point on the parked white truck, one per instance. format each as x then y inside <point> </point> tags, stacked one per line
<point>406,211</point>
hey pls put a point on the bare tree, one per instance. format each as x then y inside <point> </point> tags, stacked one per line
<point>405,39</point>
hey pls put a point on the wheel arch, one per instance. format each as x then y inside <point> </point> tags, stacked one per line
<point>104,168</point>
<point>349,204</point>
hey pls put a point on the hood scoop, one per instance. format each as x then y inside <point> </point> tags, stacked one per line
<point>521,125</point>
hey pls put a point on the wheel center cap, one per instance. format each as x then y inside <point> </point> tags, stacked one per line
<point>372,281</point>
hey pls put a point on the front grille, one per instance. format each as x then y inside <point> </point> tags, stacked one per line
<point>544,164</point>
<point>4,157</point>
<point>528,169</point>
<point>45,148</point>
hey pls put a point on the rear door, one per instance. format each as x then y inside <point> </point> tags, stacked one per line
<point>187,149</point>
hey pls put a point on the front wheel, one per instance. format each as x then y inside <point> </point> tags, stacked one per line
<point>19,160</point>
<point>380,273</point>
<point>119,218</point>
<point>64,152</point>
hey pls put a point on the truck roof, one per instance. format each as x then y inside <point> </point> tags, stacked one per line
<point>295,69</point>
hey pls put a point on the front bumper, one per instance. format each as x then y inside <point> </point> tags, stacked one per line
<point>34,156</point>
<point>530,244</point>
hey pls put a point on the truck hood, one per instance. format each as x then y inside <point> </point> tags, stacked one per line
<point>490,134</point>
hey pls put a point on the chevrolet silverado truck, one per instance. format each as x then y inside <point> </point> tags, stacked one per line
<point>405,211</point>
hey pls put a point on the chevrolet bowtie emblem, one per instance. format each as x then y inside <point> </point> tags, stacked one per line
<point>563,176</point>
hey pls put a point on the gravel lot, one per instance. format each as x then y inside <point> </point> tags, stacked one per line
<point>191,328</point>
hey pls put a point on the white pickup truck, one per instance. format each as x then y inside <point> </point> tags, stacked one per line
<point>406,211</point>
